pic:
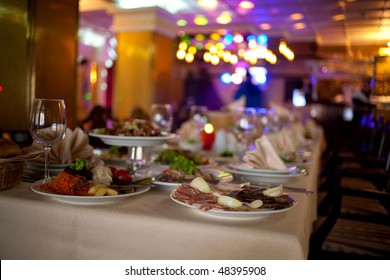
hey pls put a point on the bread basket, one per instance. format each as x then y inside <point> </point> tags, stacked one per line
<point>10,174</point>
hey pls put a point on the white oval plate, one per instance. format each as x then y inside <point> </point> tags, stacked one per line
<point>218,174</point>
<point>256,214</point>
<point>41,165</point>
<point>143,141</point>
<point>167,185</point>
<point>88,200</point>
<point>258,178</point>
<point>201,166</point>
<point>248,168</point>
<point>300,164</point>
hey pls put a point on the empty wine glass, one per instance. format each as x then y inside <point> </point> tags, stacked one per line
<point>48,125</point>
<point>275,121</point>
<point>199,115</point>
<point>244,127</point>
<point>162,117</point>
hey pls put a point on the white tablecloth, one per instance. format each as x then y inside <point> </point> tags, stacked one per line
<point>148,226</point>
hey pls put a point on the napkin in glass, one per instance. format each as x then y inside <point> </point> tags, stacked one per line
<point>283,141</point>
<point>74,145</point>
<point>265,156</point>
<point>298,133</point>
<point>189,131</point>
<point>224,141</point>
<point>311,129</point>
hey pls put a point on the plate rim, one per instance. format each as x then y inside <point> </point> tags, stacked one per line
<point>122,137</point>
<point>167,184</point>
<point>280,175</point>
<point>291,169</point>
<point>175,185</point>
<point>95,200</point>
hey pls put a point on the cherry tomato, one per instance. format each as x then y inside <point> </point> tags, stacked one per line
<point>123,176</point>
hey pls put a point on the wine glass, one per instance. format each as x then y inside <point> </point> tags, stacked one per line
<point>199,115</point>
<point>162,117</point>
<point>48,125</point>
<point>276,122</point>
<point>244,127</point>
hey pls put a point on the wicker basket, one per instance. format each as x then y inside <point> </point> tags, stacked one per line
<point>10,174</point>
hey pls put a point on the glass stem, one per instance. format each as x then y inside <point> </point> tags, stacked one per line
<point>47,162</point>
<point>132,158</point>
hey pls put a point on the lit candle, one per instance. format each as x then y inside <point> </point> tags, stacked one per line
<point>208,136</point>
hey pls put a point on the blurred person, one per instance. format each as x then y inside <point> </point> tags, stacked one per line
<point>361,97</point>
<point>361,101</point>
<point>97,118</point>
<point>253,94</point>
<point>206,94</point>
<point>299,95</point>
<point>138,113</point>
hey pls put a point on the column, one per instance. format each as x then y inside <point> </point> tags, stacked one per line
<point>144,70</point>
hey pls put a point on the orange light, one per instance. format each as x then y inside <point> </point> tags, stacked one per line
<point>296,16</point>
<point>93,73</point>
<point>265,26</point>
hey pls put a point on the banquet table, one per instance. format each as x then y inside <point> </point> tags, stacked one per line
<point>151,226</point>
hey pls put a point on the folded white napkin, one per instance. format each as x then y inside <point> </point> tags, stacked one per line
<point>311,129</point>
<point>265,156</point>
<point>298,132</point>
<point>74,145</point>
<point>283,141</point>
<point>224,141</point>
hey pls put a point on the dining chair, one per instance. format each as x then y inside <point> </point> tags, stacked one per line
<point>363,234</point>
<point>375,136</point>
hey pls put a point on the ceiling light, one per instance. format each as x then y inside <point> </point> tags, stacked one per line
<point>208,4</point>
<point>246,5</point>
<point>200,20</point>
<point>224,18</point>
<point>296,16</point>
<point>192,50</point>
<point>233,59</point>
<point>388,44</point>
<point>214,60</point>
<point>299,25</point>
<point>238,38</point>
<point>189,58</point>
<point>220,46</point>
<point>200,37</point>
<point>228,39</point>
<point>265,26</point>
<point>384,51</point>
<point>338,17</point>
<point>172,6</point>
<point>183,46</point>
<point>262,39</point>
<point>181,22</point>
<point>215,36</point>
<point>207,57</point>
<point>222,32</point>
<point>341,3</point>
<point>180,54</point>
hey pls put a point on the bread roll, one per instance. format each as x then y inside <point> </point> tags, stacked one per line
<point>9,148</point>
